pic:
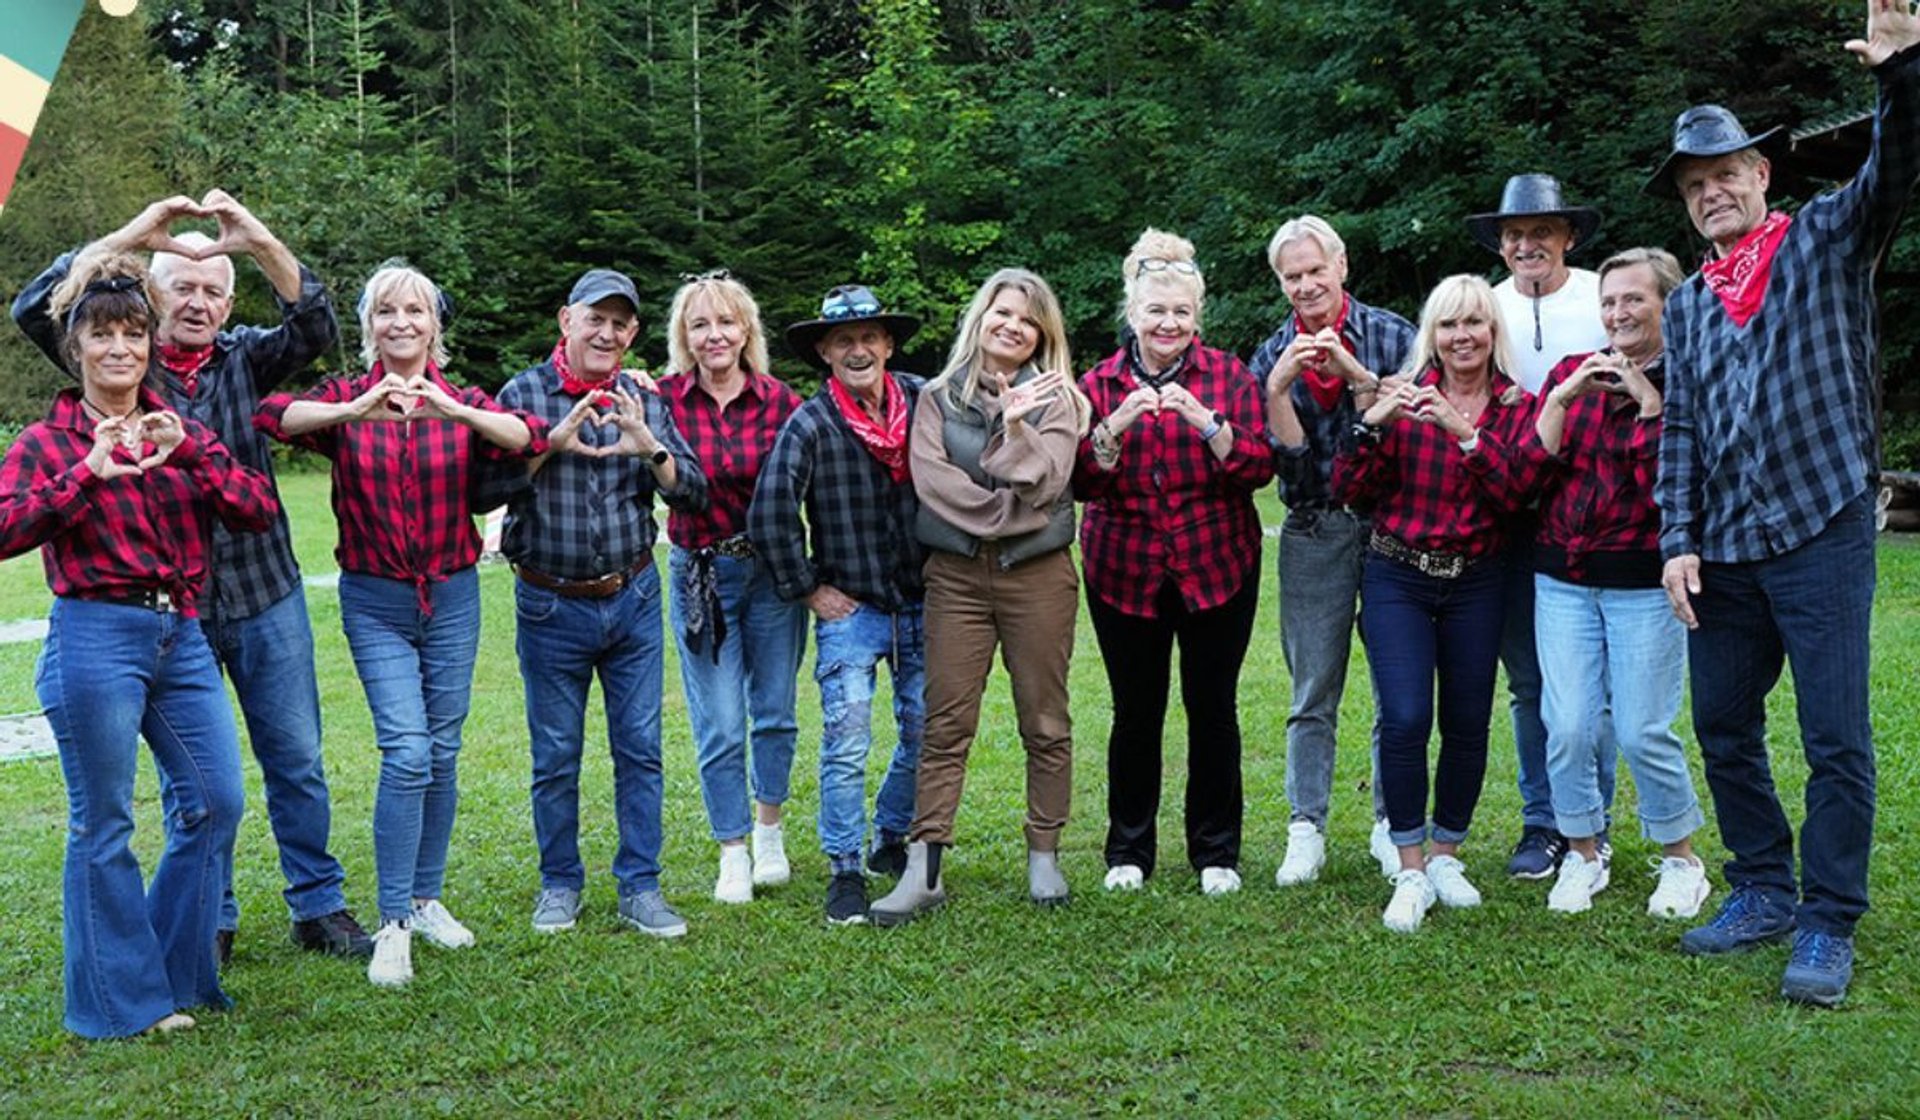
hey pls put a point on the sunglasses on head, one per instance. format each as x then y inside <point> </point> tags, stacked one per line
<point>1161,264</point>
<point>840,307</point>
<point>696,277</point>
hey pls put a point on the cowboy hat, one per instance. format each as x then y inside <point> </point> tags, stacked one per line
<point>1533,196</point>
<point>848,303</point>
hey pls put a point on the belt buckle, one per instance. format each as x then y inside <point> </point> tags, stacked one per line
<point>161,600</point>
<point>1444,567</point>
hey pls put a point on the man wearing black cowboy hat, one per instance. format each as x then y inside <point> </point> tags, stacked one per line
<point>1767,472</point>
<point>1547,311</point>
<point>841,458</point>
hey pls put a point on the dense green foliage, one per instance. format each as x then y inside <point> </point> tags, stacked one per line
<point>504,145</point>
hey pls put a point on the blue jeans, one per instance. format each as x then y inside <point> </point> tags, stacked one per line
<point>108,675</point>
<point>417,669</point>
<point>1621,650</point>
<point>1519,653</point>
<point>269,658</point>
<point>562,643</point>
<point>1322,553</point>
<point>748,692</point>
<point>1811,608</point>
<point>1418,628</point>
<point>846,654</point>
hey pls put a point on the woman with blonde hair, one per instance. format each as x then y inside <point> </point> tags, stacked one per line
<point>992,450</point>
<point>404,441</point>
<point>1171,544</point>
<point>740,643</point>
<point>1440,456</point>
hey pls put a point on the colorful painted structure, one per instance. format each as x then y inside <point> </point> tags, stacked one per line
<point>36,40</point>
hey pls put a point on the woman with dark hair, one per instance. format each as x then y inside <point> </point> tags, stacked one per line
<point>120,494</point>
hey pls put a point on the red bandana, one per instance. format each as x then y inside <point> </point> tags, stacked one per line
<point>887,441</point>
<point>1324,386</point>
<point>1740,277</point>
<point>187,362</point>
<point>569,384</point>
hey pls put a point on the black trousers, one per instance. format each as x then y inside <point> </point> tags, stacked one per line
<point>1138,654</point>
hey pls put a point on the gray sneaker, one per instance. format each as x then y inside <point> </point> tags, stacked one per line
<point>556,909</point>
<point>649,913</point>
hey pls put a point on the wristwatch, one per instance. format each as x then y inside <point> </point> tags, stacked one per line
<point>659,457</point>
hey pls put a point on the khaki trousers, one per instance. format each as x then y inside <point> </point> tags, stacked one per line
<point>1028,612</point>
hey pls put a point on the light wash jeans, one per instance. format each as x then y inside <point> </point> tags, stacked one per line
<point>1620,650</point>
<point>746,695</point>
<point>109,674</point>
<point>1519,654</point>
<point>846,655</point>
<point>417,669</point>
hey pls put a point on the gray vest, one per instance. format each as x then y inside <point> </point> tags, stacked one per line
<point>966,430</point>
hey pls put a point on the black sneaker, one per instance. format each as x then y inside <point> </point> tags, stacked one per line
<point>889,856</point>
<point>847,899</point>
<point>1538,854</point>
<point>223,946</point>
<point>335,934</point>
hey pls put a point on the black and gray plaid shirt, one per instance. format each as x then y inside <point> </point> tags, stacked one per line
<point>582,517</point>
<point>859,520</point>
<point>1381,341</point>
<point>247,572</point>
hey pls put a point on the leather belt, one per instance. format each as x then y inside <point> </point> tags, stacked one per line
<point>599,587</point>
<point>158,600</point>
<point>1440,565</point>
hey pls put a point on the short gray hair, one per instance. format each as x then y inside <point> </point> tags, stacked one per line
<point>1307,227</point>
<point>1667,274</point>
<point>164,263</point>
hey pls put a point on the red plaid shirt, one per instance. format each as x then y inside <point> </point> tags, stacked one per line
<point>400,488</point>
<point>127,535</point>
<point>1169,509</point>
<point>1429,494</point>
<point>729,444</point>
<point>1597,494</point>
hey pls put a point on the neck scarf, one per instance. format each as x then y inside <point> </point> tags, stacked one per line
<point>571,385</point>
<point>885,440</point>
<point>1740,277</point>
<point>1166,376</point>
<point>1326,387</point>
<point>186,362</point>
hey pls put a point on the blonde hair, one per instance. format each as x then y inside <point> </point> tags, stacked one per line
<point>397,276</point>
<point>1154,244</point>
<point>136,305</point>
<point>1451,298</point>
<point>960,379</point>
<point>723,293</point>
<point>1307,227</point>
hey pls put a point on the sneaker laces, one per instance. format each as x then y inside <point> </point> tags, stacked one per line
<point>1742,909</point>
<point>1819,950</point>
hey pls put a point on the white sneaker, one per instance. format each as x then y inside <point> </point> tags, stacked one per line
<point>1580,879</point>
<point>1412,898</point>
<point>1384,850</point>
<point>770,867</point>
<point>1306,854</point>
<point>735,883</point>
<point>1219,880</point>
<point>1683,887</point>
<point>1450,886</point>
<point>431,921</point>
<point>392,963</point>
<point>1125,877</point>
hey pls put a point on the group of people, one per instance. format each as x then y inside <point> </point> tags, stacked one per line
<point>1596,478</point>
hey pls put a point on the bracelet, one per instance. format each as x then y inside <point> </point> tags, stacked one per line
<point>1207,433</point>
<point>1468,445</point>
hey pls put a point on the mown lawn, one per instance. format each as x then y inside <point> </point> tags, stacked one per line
<point>1161,1003</point>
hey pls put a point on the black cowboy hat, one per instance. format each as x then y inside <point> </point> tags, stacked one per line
<point>848,303</point>
<point>1703,132</point>
<point>1533,196</point>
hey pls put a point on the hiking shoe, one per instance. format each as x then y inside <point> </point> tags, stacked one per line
<point>889,855</point>
<point>431,921</point>
<point>1384,849</point>
<point>1306,854</point>
<point>1683,887</point>
<point>1126,877</point>
<point>1450,886</point>
<point>1580,879</point>
<point>735,884</point>
<point>1747,919</point>
<point>1819,969</point>
<point>648,912</point>
<point>335,934</point>
<point>1538,853</point>
<point>223,946</point>
<point>1413,896</point>
<point>392,963</point>
<point>1219,880</point>
<point>847,898</point>
<point>557,908</point>
<point>770,866</point>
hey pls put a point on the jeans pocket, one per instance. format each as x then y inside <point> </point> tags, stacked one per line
<point>535,604</point>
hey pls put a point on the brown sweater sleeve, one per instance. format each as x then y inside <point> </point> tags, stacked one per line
<point>953,496</point>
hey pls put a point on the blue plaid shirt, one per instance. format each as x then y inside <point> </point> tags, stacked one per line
<point>1381,341</point>
<point>247,572</point>
<point>1770,428</point>
<point>859,520</point>
<point>583,517</point>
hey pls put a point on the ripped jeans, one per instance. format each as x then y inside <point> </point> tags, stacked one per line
<point>847,652</point>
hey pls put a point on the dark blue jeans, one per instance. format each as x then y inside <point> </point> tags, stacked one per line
<point>1418,628</point>
<point>1810,608</point>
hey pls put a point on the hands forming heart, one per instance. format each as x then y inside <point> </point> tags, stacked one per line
<point>238,230</point>
<point>619,410</point>
<point>118,441</point>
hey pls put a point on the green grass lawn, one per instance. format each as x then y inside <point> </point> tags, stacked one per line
<point>1161,1003</point>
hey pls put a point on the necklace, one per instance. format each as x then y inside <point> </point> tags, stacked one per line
<point>129,435</point>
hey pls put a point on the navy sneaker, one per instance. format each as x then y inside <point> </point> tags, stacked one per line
<point>1818,971</point>
<point>889,855</point>
<point>1538,854</point>
<point>1746,920</point>
<point>847,899</point>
